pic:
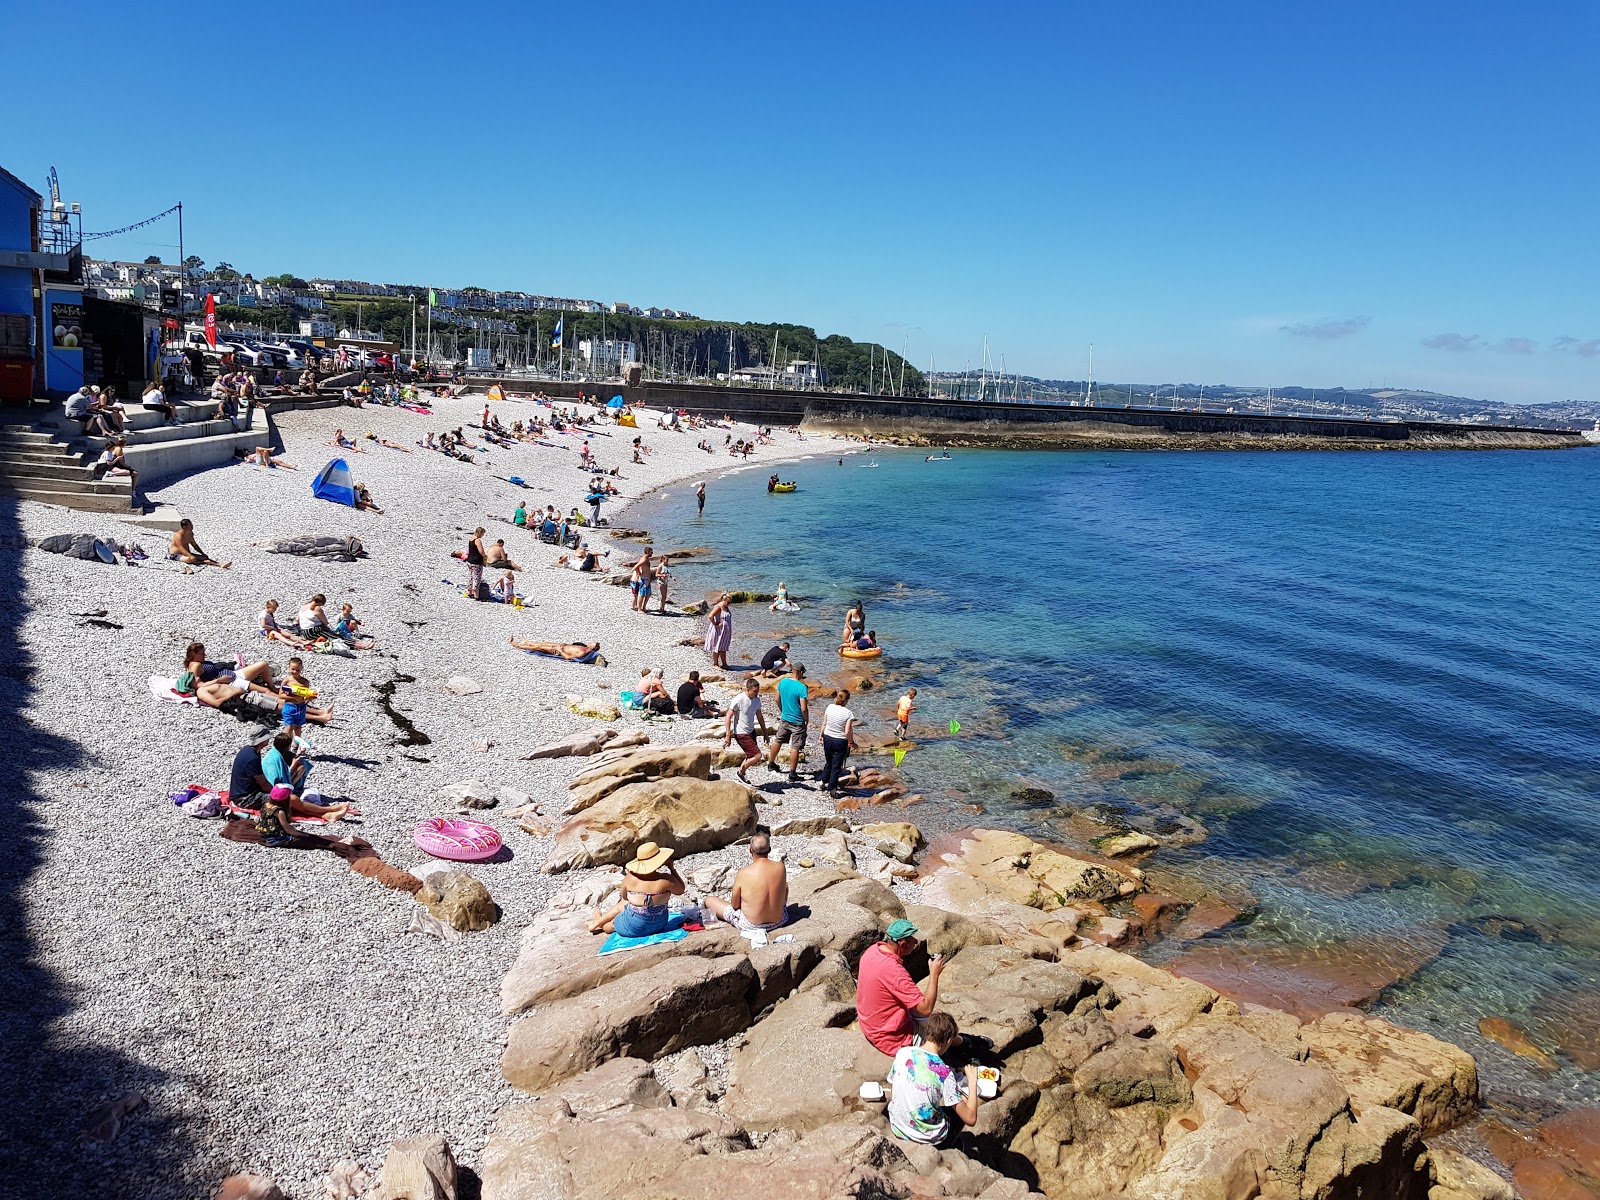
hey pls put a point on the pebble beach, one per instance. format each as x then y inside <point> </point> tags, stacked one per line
<point>269,1006</point>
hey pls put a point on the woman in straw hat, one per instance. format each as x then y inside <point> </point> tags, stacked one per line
<point>650,880</point>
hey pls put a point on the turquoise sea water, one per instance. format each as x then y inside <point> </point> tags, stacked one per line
<point>1373,679</point>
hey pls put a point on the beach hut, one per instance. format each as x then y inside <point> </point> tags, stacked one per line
<point>334,482</point>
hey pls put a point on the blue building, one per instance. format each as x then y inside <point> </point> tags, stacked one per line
<point>21,297</point>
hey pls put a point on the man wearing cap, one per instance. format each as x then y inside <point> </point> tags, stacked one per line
<point>888,1003</point>
<point>647,888</point>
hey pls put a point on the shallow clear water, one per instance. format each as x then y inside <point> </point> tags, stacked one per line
<point>1373,678</point>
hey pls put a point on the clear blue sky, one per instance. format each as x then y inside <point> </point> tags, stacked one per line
<point>1352,193</point>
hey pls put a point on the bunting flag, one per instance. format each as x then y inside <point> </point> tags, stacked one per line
<point>899,757</point>
<point>955,725</point>
<point>555,341</point>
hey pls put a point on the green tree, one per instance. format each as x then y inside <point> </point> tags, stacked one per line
<point>153,261</point>
<point>224,271</point>
<point>194,262</point>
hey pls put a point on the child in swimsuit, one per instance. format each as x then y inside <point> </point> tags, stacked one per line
<point>297,694</point>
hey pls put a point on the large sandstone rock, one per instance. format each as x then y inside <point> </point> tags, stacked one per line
<point>679,1003</point>
<point>947,932</point>
<point>689,814</point>
<point>638,766</point>
<point>560,958</point>
<point>1383,1064</point>
<point>801,1068</point>
<point>458,900</point>
<point>1149,993</point>
<point>1022,871</point>
<point>1042,934</point>
<point>581,744</point>
<point>1002,993</point>
<point>419,1168</point>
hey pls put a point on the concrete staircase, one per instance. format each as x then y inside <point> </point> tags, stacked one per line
<point>49,460</point>
<point>34,465</point>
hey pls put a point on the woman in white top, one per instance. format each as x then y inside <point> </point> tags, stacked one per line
<point>313,618</point>
<point>838,739</point>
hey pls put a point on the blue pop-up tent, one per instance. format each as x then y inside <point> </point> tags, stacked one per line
<point>615,402</point>
<point>334,482</point>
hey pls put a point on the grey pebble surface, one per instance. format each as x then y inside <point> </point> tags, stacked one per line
<point>268,1004</point>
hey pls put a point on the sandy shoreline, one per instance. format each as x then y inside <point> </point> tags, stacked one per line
<point>162,949</point>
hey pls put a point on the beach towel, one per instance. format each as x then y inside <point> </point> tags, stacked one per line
<point>675,932</point>
<point>164,688</point>
<point>586,660</point>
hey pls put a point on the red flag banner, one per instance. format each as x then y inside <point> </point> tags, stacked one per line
<point>211,320</point>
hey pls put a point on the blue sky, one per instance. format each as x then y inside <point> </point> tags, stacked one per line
<point>1354,193</point>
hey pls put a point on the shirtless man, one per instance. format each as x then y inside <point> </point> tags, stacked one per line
<point>497,557</point>
<point>183,548</point>
<point>572,650</point>
<point>760,891</point>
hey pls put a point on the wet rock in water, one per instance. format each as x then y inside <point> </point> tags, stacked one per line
<point>461,685</point>
<point>1311,980</point>
<point>1550,1179</point>
<point>1157,913</point>
<point>1575,1134</point>
<point>419,1168</point>
<point>1510,1035</point>
<point>468,794</point>
<point>1569,1019</point>
<point>1033,797</point>
<point>1122,844</point>
<point>1206,916</point>
<point>1457,1177</point>
<point>458,900</point>
<point>691,815</point>
<point>1402,1069</point>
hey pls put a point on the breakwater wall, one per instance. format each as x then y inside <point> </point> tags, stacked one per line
<point>924,421</point>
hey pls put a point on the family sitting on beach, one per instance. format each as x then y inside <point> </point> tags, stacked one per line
<point>759,900</point>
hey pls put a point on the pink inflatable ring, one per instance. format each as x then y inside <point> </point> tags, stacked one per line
<point>456,839</point>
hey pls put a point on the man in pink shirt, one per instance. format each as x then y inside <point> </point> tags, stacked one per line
<point>887,1002</point>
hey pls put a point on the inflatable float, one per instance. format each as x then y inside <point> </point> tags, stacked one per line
<point>456,839</point>
<point>784,487</point>
<point>848,652</point>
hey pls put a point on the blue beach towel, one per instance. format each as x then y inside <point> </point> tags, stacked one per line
<point>586,660</point>
<point>616,943</point>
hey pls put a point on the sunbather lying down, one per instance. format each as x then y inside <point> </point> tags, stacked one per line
<point>573,651</point>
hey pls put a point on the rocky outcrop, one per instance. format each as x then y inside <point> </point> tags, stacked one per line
<point>1118,1078</point>
<point>1024,872</point>
<point>1383,1064</point>
<point>684,1001</point>
<point>637,766</point>
<point>688,814</point>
